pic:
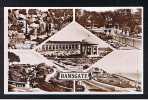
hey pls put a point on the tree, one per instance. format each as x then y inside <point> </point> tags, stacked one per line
<point>13,57</point>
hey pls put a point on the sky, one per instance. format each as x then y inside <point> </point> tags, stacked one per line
<point>102,9</point>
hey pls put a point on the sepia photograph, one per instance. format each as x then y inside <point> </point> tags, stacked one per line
<point>29,27</point>
<point>73,50</point>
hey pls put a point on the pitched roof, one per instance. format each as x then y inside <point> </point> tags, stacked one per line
<point>76,32</point>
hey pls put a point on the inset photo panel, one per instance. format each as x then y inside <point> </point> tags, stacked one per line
<point>29,27</point>
<point>73,50</point>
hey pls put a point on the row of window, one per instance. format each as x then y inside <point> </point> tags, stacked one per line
<point>63,46</point>
<point>89,50</point>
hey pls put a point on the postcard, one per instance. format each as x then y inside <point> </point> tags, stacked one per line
<point>73,50</point>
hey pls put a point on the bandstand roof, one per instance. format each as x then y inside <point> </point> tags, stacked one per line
<point>76,32</point>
